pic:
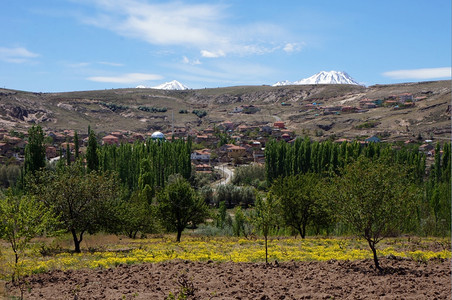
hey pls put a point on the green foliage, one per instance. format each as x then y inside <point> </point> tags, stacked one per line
<point>199,113</point>
<point>265,217</point>
<point>241,225</point>
<point>114,107</point>
<point>375,199</point>
<point>300,200</point>
<point>183,111</point>
<point>234,195</point>
<point>86,202</point>
<point>253,174</point>
<point>92,158</point>
<point>179,205</point>
<point>367,125</point>
<point>76,146</point>
<point>35,152</point>
<point>9,174</point>
<point>137,214</point>
<point>21,219</point>
<point>146,163</point>
<point>152,109</point>
<point>221,216</point>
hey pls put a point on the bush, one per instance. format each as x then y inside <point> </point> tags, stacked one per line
<point>200,113</point>
<point>233,195</point>
<point>250,175</point>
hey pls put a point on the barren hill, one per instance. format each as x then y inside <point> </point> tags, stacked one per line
<point>402,111</point>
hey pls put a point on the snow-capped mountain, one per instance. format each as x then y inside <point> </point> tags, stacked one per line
<point>172,85</point>
<point>332,77</point>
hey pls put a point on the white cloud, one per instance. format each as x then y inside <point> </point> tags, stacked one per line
<point>126,78</point>
<point>193,62</point>
<point>292,47</point>
<point>428,73</point>
<point>202,26</point>
<point>16,55</point>
<point>212,54</point>
<point>173,23</point>
<point>112,64</point>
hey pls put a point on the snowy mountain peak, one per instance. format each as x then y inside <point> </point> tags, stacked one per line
<point>172,85</point>
<point>323,77</point>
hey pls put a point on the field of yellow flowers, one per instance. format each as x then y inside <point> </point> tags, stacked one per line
<point>106,252</point>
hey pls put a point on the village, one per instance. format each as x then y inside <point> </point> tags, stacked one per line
<point>226,142</point>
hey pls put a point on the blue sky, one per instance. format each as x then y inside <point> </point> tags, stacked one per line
<point>70,45</point>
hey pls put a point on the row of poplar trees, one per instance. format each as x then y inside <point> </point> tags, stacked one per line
<point>328,159</point>
<point>110,188</point>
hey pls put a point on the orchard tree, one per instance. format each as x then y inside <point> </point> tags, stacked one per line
<point>137,214</point>
<point>86,202</point>
<point>298,197</point>
<point>265,217</point>
<point>21,219</point>
<point>375,199</point>
<point>179,205</point>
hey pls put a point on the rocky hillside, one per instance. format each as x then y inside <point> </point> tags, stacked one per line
<point>394,112</point>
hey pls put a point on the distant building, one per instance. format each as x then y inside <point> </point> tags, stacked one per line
<point>158,136</point>
<point>203,155</point>
<point>279,124</point>
<point>373,139</point>
<point>110,140</point>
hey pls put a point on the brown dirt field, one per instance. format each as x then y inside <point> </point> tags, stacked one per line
<point>402,279</point>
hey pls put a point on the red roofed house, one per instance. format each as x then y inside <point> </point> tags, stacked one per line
<point>110,140</point>
<point>279,124</point>
<point>236,151</point>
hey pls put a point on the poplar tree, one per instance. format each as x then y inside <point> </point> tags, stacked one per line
<point>35,152</point>
<point>92,159</point>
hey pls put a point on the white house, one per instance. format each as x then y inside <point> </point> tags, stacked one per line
<point>203,154</point>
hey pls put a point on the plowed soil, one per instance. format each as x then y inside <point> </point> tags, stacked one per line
<point>401,279</point>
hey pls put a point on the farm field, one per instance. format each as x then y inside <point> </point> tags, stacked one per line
<point>232,268</point>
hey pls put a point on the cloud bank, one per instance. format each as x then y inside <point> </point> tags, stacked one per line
<point>419,74</point>
<point>126,78</point>
<point>16,55</point>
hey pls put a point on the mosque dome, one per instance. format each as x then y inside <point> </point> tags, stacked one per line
<point>157,136</point>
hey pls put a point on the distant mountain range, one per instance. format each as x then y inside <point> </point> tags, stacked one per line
<point>323,77</point>
<point>172,85</point>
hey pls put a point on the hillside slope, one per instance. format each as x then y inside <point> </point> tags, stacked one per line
<point>306,109</point>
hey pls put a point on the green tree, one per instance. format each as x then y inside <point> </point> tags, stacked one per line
<point>298,197</point>
<point>92,158</point>
<point>21,219</point>
<point>35,152</point>
<point>76,146</point>
<point>68,154</point>
<point>179,205</point>
<point>137,215</point>
<point>375,199</point>
<point>265,217</point>
<point>86,203</point>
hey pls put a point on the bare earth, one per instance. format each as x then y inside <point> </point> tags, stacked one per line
<point>402,279</point>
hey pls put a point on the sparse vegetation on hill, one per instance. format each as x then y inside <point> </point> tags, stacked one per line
<point>338,106</point>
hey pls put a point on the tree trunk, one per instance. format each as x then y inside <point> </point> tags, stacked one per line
<point>266,250</point>
<point>374,251</point>
<point>77,240</point>
<point>179,234</point>
<point>303,230</point>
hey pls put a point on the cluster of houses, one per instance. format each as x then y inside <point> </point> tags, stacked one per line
<point>244,143</point>
<point>395,102</point>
